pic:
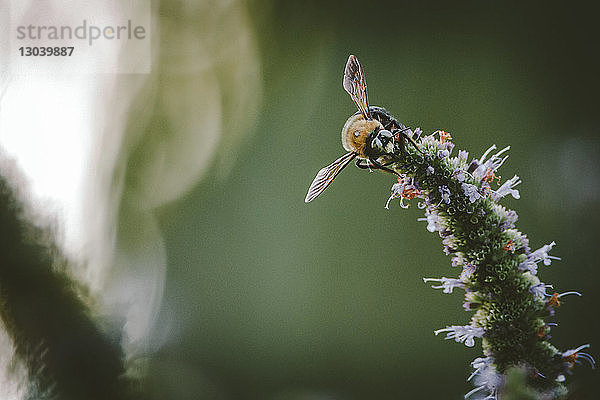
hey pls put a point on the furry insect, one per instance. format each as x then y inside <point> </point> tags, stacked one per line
<point>369,135</point>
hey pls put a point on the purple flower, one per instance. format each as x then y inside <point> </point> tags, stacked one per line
<point>539,290</point>
<point>509,218</point>
<point>459,175</point>
<point>507,188</point>
<point>471,192</point>
<point>541,254</point>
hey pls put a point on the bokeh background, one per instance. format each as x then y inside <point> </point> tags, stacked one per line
<point>242,291</point>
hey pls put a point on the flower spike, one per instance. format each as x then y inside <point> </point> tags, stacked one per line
<point>498,268</point>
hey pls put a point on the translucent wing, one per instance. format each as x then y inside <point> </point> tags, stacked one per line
<point>326,175</point>
<point>356,85</point>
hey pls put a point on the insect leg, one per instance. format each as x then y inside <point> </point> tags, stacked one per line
<point>377,165</point>
<point>399,138</point>
<point>390,126</point>
<point>413,143</point>
<point>399,131</point>
<point>360,165</point>
<point>374,165</point>
<point>403,134</point>
<point>392,161</point>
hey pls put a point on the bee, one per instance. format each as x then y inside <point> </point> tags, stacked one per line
<point>368,135</point>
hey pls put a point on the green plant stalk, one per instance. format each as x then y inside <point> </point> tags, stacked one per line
<point>42,308</point>
<point>498,268</point>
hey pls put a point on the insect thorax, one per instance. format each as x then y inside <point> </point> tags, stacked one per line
<point>356,132</point>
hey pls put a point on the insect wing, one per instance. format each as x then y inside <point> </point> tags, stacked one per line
<point>326,175</point>
<point>356,85</point>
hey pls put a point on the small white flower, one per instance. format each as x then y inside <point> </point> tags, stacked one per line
<point>458,260</point>
<point>471,192</point>
<point>479,364</point>
<point>507,217</point>
<point>541,254</point>
<point>404,188</point>
<point>528,266</point>
<point>445,192</point>
<point>572,356</point>
<point>397,189</point>
<point>459,175</point>
<point>449,146</point>
<point>492,164</point>
<point>441,154</point>
<point>539,291</point>
<point>472,301</point>
<point>450,243</point>
<point>462,156</point>
<point>486,378</point>
<point>462,334</point>
<point>430,170</point>
<point>433,221</point>
<point>448,284</point>
<point>507,188</point>
<point>467,271</point>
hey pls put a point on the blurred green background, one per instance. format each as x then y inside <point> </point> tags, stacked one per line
<point>270,298</point>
